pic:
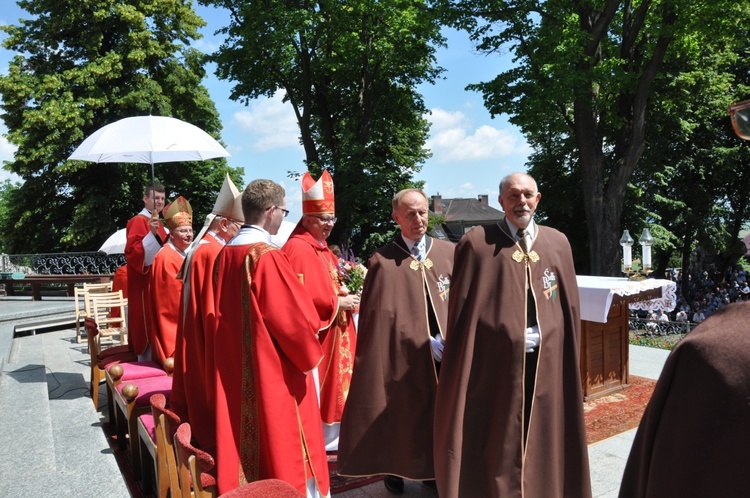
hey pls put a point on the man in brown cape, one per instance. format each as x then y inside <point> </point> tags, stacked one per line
<point>387,423</point>
<point>509,408</point>
<point>694,437</point>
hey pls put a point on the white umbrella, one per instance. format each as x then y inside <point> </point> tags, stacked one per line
<point>115,244</point>
<point>148,140</point>
<point>285,230</point>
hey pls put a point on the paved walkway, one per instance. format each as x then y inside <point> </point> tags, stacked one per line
<point>51,438</point>
<point>52,443</point>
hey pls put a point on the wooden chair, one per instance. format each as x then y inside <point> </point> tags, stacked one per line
<point>103,360</point>
<point>131,400</point>
<point>165,425</point>
<point>156,444</point>
<point>108,312</point>
<point>194,466</point>
<point>148,451</point>
<point>130,371</point>
<point>82,303</point>
<point>197,480</point>
<point>92,318</point>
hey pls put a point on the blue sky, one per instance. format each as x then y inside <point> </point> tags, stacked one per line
<point>470,150</point>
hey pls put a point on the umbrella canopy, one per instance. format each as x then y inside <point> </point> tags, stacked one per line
<point>285,230</point>
<point>149,140</point>
<point>115,244</point>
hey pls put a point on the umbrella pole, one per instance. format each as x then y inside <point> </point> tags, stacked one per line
<point>153,191</point>
<point>154,213</point>
<point>153,184</point>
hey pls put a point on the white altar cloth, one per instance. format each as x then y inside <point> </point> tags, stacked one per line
<point>596,294</point>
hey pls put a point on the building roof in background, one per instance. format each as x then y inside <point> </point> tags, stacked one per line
<point>461,215</point>
<point>462,209</point>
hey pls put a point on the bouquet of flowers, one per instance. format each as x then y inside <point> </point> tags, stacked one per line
<point>352,273</point>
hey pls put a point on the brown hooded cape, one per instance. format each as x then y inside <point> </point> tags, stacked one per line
<point>387,422</point>
<point>694,437</point>
<point>479,447</point>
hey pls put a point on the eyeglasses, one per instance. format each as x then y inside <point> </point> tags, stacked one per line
<point>284,212</point>
<point>235,222</point>
<point>326,221</point>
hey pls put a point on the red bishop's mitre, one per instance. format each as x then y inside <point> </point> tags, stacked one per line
<point>317,197</point>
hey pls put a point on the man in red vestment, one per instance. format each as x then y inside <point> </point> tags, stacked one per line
<point>165,288</point>
<point>318,269</point>
<point>193,378</point>
<point>266,344</point>
<point>145,236</point>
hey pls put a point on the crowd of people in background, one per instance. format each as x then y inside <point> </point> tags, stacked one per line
<point>707,293</point>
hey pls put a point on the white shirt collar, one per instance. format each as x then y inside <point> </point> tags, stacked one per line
<point>514,229</point>
<point>250,235</point>
<point>411,243</point>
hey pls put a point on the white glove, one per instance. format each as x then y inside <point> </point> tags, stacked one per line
<point>437,345</point>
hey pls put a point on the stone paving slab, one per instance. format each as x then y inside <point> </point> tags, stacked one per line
<point>51,442</point>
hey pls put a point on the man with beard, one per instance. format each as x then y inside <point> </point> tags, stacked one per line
<point>509,408</point>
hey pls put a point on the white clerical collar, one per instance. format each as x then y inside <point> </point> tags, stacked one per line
<point>250,234</point>
<point>215,235</point>
<point>145,212</point>
<point>411,243</point>
<point>179,251</point>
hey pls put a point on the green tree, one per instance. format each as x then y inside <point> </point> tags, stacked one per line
<point>695,171</point>
<point>585,73</point>
<point>7,191</point>
<point>348,70</point>
<point>82,65</point>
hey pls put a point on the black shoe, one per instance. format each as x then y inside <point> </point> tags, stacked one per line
<point>430,484</point>
<point>394,484</point>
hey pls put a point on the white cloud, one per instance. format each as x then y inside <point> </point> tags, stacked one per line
<point>6,154</point>
<point>6,148</point>
<point>271,124</point>
<point>452,140</point>
<point>441,120</point>
<point>206,45</point>
<point>293,199</point>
